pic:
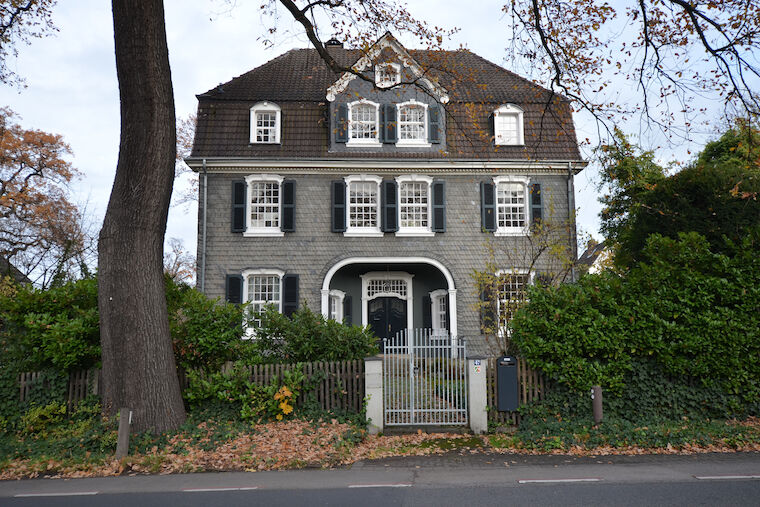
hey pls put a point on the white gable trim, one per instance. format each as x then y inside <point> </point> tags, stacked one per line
<point>387,41</point>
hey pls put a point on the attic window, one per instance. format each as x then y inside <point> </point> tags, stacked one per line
<point>508,125</point>
<point>387,75</point>
<point>265,123</point>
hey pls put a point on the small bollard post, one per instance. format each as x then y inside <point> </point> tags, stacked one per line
<point>596,401</point>
<point>122,444</point>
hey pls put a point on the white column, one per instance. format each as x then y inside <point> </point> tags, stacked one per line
<point>453,312</point>
<point>373,385</point>
<point>476,366</point>
<point>326,302</point>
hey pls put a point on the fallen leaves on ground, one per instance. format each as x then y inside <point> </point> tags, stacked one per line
<point>300,444</point>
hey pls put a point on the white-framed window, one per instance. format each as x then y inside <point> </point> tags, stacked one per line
<point>512,287</point>
<point>363,205</point>
<point>414,205</point>
<point>336,305</point>
<point>438,309</point>
<point>261,287</point>
<point>508,125</point>
<point>363,123</point>
<point>387,74</point>
<point>412,124</point>
<point>263,205</point>
<point>512,205</point>
<point>265,123</point>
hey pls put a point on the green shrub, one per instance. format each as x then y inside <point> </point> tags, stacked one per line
<point>689,314</point>
<point>205,332</point>
<point>38,420</point>
<point>307,336</point>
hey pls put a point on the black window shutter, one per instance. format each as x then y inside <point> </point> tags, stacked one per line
<point>347,313</point>
<point>434,124</point>
<point>487,311</point>
<point>389,206</point>
<point>448,313</point>
<point>439,206</point>
<point>238,205</point>
<point>487,206</point>
<point>338,206</point>
<point>288,210</point>
<point>289,294</point>
<point>389,124</point>
<point>536,206</point>
<point>341,124</point>
<point>234,289</point>
<point>492,127</point>
<point>427,313</point>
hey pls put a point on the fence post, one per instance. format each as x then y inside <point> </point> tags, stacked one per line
<point>477,366</point>
<point>373,385</point>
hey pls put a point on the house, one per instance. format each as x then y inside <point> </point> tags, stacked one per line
<point>370,195</point>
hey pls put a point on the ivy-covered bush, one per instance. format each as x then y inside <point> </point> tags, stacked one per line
<point>683,313</point>
<point>307,336</point>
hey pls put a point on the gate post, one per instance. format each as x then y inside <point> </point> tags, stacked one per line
<point>476,366</point>
<point>373,386</point>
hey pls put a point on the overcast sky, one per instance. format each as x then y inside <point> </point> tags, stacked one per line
<point>72,88</point>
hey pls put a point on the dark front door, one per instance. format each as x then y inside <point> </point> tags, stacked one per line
<point>387,316</point>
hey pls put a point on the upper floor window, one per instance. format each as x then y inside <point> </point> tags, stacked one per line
<point>363,205</point>
<point>387,75</point>
<point>414,205</point>
<point>363,123</point>
<point>508,125</point>
<point>412,124</point>
<point>265,123</point>
<point>511,205</point>
<point>264,202</point>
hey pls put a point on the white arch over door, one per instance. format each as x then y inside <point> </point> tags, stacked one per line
<point>393,260</point>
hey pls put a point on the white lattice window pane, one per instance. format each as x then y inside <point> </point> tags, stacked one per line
<point>440,312</point>
<point>363,204</point>
<point>511,294</point>
<point>266,123</point>
<point>510,200</point>
<point>507,130</point>
<point>397,287</point>
<point>363,121</point>
<point>412,123</point>
<point>413,204</point>
<point>265,204</point>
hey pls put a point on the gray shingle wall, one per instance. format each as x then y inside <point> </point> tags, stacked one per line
<point>312,249</point>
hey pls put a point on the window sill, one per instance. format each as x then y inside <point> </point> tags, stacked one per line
<point>263,233</point>
<point>363,143</point>
<point>363,233</point>
<point>414,233</point>
<point>265,142</point>
<point>510,232</point>
<point>509,144</point>
<point>412,144</point>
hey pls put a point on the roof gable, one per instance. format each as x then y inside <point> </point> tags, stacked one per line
<point>388,42</point>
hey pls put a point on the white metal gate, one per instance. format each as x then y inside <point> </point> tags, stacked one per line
<point>424,379</point>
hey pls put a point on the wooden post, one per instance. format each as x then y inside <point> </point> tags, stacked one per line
<point>122,445</point>
<point>596,397</point>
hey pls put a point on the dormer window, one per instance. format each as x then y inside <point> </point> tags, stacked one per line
<point>265,123</point>
<point>508,126</point>
<point>363,123</point>
<point>387,75</point>
<point>412,124</point>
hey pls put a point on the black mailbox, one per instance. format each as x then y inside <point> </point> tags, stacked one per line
<point>506,383</point>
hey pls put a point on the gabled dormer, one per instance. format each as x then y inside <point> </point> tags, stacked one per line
<point>395,108</point>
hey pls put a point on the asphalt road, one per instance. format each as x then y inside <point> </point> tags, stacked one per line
<point>712,479</point>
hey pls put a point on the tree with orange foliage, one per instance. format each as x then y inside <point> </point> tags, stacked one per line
<point>40,228</point>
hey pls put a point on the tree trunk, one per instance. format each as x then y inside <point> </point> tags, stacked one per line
<point>139,371</point>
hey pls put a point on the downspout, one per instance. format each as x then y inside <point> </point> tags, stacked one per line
<point>571,219</point>
<point>203,240</point>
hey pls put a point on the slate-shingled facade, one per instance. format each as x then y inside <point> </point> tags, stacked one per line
<point>309,194</point>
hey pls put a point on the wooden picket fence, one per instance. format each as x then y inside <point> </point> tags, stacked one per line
<point>532,387</point>
<point>80,385</point>
<point>338,385</point>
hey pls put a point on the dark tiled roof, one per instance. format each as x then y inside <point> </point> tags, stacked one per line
<point>298,82</point>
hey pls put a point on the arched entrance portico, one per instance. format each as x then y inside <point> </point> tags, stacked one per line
<point>387,268</point>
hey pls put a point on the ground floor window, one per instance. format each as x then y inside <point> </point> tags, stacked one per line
<point>512,286</point>
<point>262,288</point>
<point>336,305</point>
